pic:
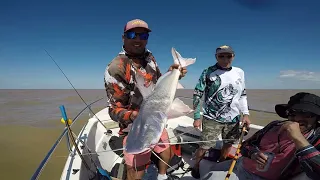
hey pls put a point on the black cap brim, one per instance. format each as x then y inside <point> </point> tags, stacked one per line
<point>282,108</point>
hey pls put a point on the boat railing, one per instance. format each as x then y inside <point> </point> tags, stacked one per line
<point>43,163</point>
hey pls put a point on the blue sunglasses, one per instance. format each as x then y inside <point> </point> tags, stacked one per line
<point>133,35</point>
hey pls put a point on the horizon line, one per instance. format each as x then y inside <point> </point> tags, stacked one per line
<point>177,89</point>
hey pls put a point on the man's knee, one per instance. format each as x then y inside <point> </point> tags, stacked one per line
<point>134,173</point>
<point>167,152</point>
<point>135,169</point>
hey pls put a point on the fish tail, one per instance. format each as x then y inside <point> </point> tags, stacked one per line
<point>178,59</point>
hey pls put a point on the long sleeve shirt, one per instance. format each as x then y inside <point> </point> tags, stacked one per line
<point>224,93</point>
<point>120,87</point>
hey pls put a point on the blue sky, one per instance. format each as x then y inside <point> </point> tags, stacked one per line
<point>276,41</point>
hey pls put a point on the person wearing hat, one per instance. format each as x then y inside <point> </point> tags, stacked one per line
<point>125,97</point>
<point>295,143</point>
<point>225,103</point>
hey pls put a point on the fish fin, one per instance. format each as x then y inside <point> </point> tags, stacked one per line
<point>178,59</point>
<point>127,129</point>
<point>180,86</point>
<point>141,85</point>
<point>178,108</point>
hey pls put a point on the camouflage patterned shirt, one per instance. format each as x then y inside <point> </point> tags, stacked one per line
<point>120,86</point>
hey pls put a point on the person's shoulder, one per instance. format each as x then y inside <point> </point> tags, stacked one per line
<point>118,59</point>
<point>149,52</point>
<point>238,69</point>
<point>117,64</point>
<point>150,56</point>
<point>210,69</point>
<point>273,123</point>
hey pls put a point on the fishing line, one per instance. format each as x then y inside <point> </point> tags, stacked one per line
<point>75,89</point>
<point>85,144</point>
<point>249,108</point>
<point>121,149</point>
<point>162,160</point>
<point>111,150</point>
<point>77,149</point>
<point>189,142</point>
<point>180,134</point>
<point>115,160</point>
<point>194,142</point>
<point>67,124</point>
<point>44,162</point>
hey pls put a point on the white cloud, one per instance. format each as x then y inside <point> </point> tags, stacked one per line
<point>301,75</point>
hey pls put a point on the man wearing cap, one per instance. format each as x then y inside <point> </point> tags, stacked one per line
<point>225,101</point>
<point>294,142</point>
<point>125,97</point>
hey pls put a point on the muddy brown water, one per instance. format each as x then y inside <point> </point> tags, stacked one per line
<point>30,124</point>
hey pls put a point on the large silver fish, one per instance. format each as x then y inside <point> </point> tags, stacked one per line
<point>157,107</point>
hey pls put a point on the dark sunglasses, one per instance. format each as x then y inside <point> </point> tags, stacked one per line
<point>305,114</point>
<point>133,35</point>
<point>225,56</point>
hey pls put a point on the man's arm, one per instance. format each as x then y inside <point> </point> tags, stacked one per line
<point>309,157</point>
<point>117,79</point>
<point>243,98</point>
<point>251,145</point>
<point>198,93</point>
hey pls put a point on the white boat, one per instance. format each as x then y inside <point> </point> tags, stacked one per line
<point>97,146</point>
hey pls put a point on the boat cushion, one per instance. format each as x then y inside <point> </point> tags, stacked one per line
<point>116,142</point>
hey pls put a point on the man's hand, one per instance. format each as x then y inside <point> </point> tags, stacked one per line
<point>246,120</point>
<point>294,133</point>
<point>133,115</point>
<point>197,123</point>
<point>260,158</point>
<point>292,129</point>
<point>183,71</point>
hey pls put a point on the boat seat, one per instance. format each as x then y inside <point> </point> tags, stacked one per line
<point>119,171</point>
<point>116,142</point>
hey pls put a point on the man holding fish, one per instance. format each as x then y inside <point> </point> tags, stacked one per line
<point>225,102</point>
<point>130,80</point>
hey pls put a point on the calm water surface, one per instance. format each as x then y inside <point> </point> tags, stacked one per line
<point>36,107</point>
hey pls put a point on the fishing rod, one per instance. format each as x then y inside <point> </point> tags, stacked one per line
<point>67,123</point>
<point>237,153</point>
<point>66,120</point>
<point>75,90</point>
<point>45,160</point>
